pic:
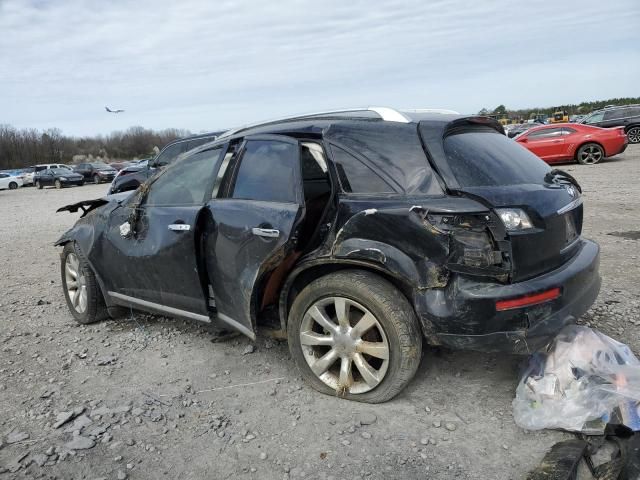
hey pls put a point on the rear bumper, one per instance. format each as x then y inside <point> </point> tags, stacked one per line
<point>463,315</point>
<point>617,149</point>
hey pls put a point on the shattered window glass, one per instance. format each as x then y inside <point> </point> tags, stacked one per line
<point>187,182</point>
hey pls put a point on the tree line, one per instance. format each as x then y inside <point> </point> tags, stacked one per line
<point>24,147</point>
<point>573,109</point>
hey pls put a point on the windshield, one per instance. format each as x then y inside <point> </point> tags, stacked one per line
<point>61,171</point>
<point>593,118</point>
<point>480,159</point>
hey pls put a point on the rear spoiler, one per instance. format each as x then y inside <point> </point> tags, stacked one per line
<point>475,121</point>
<point>86,206</point>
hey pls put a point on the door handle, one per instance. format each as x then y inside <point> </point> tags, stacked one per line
<point>266,232</point>
<point>179,227</point>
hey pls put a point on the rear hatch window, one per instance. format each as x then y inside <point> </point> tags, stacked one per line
<point>487,158</point>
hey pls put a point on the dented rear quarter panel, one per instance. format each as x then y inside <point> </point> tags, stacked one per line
<point>395,233</point>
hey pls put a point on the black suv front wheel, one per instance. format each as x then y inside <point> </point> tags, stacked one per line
<point>80,286</point>
<point>353,334</point>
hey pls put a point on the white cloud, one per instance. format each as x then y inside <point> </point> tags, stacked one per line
<point>204,65</point>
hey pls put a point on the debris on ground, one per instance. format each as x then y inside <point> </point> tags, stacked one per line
<point>582,382</point>
<point>614,456</point>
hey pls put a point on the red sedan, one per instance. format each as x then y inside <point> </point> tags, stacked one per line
<point>563,142</point>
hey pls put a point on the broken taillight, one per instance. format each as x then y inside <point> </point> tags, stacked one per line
<point>528,300</point>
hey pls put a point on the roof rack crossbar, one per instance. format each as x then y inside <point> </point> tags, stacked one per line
<point>387,114</point>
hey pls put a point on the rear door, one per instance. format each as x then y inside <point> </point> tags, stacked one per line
<point>158,263</point>
<point>48,178</point>
<point>254,215</point>
<point>83,169</point>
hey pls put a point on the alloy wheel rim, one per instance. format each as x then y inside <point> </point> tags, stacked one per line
<point>634,135</point>
<point>76,283</point>
<point>344,345</point>
<point>591,154</point>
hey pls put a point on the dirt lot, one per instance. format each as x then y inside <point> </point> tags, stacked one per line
<point>157,398</point>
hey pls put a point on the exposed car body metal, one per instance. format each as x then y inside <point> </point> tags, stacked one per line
<point>438,241</point>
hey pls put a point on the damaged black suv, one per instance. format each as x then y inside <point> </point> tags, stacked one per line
<point>357,234</point>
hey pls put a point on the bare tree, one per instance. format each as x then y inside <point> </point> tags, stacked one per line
<point>21,148</point>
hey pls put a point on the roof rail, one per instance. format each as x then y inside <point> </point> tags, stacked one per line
<point>387,114</point>
<point>431,110</point>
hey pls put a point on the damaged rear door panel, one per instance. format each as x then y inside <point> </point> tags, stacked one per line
<point>252,225</point>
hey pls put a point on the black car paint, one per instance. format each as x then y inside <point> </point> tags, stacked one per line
<point>48,177</point>
<point>102,172</point>
<point>129,178</point>
<point>627,116</point>
<point>416,238</point>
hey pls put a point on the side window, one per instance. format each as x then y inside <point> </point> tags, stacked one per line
<point>267,172</point>
<point>187,182</point>
<point>197,142</point>
<point>355,176</point>
<point>546,133</point>
<point>568,130</point>
<point>169,154</point>
<point>614,114</point>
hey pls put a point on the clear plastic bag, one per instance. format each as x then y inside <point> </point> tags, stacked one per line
<point>581,382</point>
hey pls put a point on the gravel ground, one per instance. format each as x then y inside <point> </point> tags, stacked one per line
<point>150,397</point>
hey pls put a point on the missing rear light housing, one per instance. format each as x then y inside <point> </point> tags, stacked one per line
<point>528,300</point>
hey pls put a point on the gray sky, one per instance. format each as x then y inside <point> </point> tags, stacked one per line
<point>203,65</point>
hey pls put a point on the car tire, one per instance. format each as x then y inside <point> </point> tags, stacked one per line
<point>81,290</point>
<point>96,179</point>
<point>80,184</point>
<point>13,186</point>
<point>39,185</point>
<point>589,154</point>
<point>355,374</point>
<point>58,184</point>
<point>633,134</point>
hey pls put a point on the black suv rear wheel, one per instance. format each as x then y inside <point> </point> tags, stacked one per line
<point>353,334</point>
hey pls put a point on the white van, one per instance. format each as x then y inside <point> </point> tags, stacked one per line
<point>48,166</point>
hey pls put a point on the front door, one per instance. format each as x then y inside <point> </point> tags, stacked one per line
<point>548,143</point>
<point>158,262</point>
<point>255,216</point>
